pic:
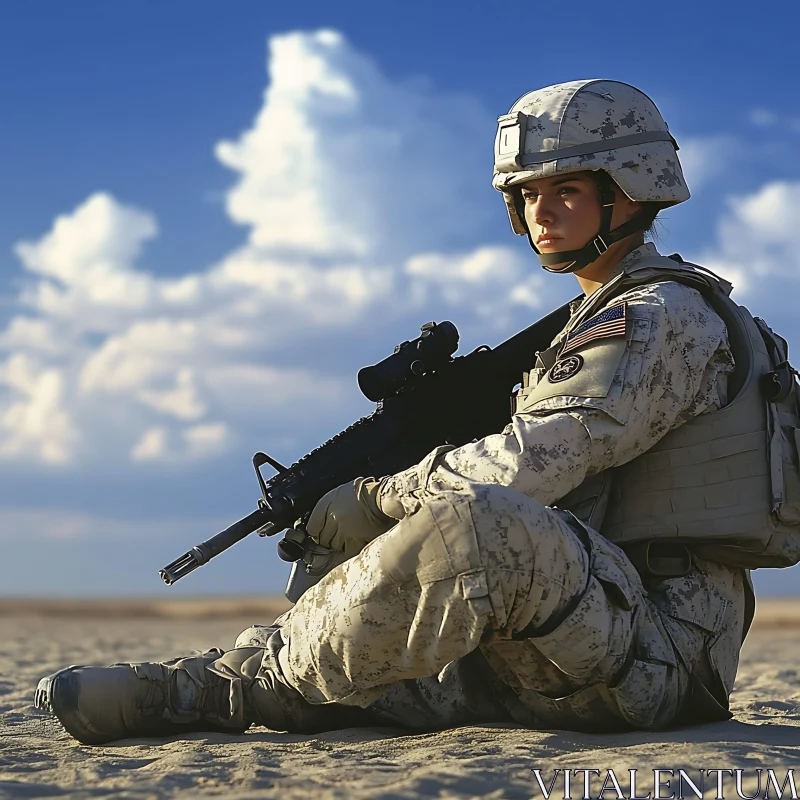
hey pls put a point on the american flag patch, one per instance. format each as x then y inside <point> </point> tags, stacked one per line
<point>610,322</point>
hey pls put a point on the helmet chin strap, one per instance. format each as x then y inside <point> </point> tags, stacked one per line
<point>575,260</point>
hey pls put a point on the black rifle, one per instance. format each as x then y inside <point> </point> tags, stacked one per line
<point>425,398</point>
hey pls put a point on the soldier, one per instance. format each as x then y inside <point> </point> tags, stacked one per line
<point>587,567</point>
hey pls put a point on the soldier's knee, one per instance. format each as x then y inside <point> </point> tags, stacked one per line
<point>436,543</point>
<point>484,526</point>
<point>255,636</point>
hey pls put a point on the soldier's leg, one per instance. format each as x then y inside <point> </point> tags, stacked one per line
<point>559,612</point>
<point>458,695</point>
<point>467,568</point>
<point>668,652</point>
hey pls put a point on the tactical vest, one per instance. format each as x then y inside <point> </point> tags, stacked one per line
<point>726,483</point>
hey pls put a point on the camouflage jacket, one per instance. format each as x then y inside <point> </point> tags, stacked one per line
<point>671,366</point>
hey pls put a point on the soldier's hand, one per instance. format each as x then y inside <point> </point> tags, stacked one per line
<point>348,517</point>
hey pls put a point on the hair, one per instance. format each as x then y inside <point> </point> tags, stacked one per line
<point>649,212</point>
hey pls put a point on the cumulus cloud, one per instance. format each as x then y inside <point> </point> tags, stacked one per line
<point>494,281</point>
<point>341,160</point>
<point>86,260</point>
<point>151,446</point>
<point>35,421</point>
<point>704,158</point>
<point>355,190</point>
<point>758,238</point>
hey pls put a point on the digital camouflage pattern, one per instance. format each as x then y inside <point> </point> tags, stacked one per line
<point>484,602</point>
<point>422,628</point>
<point>482,584</point>
<point>670,367</point>
<point>534,140</point>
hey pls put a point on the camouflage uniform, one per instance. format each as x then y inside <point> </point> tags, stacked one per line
<point>484,584</point>
<point>486,601</point>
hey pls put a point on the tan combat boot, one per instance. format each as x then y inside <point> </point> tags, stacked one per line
<point>216,691</point>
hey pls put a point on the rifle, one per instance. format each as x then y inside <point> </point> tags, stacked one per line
<point>425,398</point>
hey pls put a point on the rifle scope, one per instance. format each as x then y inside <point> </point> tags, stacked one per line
<point>410,359</point>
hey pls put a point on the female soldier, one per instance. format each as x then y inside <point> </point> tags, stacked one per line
<point>484,583</point>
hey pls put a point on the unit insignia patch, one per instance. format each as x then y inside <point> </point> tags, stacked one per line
<point>565,368</point>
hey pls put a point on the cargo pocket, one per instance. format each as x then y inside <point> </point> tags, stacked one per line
<point>723,651</point>
<point>621,591</point>
<point>640,692</point>
<point>697,602</point>
<point>614,570</point>
<point>580,641</point>
<point>693,612</point>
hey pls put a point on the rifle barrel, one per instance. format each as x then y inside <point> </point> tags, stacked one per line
<point>205,551</point>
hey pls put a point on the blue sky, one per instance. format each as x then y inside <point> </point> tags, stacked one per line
<point>211,216</point>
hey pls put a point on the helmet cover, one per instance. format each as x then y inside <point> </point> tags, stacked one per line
<point>587,125</point>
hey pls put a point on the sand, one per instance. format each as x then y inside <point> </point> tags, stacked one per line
<point>37,759</point>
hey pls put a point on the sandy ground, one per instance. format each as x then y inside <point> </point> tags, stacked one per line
<point>37,759</point>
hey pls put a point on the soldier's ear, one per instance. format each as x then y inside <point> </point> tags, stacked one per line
<point>632,208</point>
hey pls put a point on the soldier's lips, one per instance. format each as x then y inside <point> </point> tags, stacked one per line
<point>547,241</point>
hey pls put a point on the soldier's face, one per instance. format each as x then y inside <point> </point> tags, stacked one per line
<point>563,211</point>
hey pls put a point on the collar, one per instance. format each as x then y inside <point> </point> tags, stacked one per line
<point>647,250</point>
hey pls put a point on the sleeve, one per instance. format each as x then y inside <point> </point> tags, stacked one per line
<point>670,365</point>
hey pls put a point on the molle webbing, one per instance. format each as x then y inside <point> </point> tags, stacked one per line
<point>725,482</point>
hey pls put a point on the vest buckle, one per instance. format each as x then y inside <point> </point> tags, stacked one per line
<point>660,559</point>
<point>778,384</point>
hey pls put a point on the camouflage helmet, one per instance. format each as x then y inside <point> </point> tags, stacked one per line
<point>601,125</point>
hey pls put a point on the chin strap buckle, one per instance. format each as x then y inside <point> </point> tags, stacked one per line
<point>600,243</point>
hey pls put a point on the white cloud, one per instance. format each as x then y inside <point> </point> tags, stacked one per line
<point>197,442</point>
<point>34,421</point>
<point>491,280</point>
<point>143,352</point>
<point>704,158</point>
<point>33,334</point>
<point>152,446</point>
<point>180,401</point>
<point>758,243</point>
<point>207,439</point>
<point>762,117</point>
<point>364,199</point>
<point>341,160</point>
<point>87,259</point>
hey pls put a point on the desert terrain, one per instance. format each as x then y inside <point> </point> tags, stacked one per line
<point>37,759</point>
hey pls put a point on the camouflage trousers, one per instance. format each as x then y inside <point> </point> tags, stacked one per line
<point>485,605</point>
